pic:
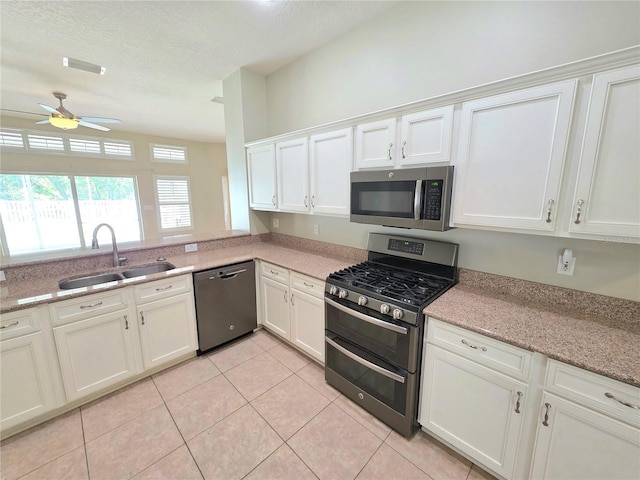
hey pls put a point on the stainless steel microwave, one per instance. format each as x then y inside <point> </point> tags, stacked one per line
<point>407,198</point>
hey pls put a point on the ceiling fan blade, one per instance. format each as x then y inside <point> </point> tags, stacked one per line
<point>49,109</point>
<point>93,125</point>
<point>42,122</point>
<point>22,111</point>
<point>100,120</point>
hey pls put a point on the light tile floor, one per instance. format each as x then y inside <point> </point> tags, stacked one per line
<point>256,409</point>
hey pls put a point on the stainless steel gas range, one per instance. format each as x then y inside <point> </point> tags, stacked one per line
<point>374,324</point>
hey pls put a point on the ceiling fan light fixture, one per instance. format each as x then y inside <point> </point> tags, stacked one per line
<point>63,122</point>
<point>82,65</point>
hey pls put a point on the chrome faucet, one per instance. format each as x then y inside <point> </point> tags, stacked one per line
<point>117,259</point>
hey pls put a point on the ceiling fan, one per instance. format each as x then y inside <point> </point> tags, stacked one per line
<point>63,118</point>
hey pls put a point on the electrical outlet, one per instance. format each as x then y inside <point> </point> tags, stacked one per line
<point>566,268</point>
<point>191,247</point>
<point>276,223</point>
<point>316,229</point>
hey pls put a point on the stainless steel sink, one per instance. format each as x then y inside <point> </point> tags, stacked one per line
<point>98,278</point>
<point>156,267</point>
<point>89,280</point>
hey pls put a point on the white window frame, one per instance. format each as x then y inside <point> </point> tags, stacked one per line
<point>185,178</point>
<point>169,148</point>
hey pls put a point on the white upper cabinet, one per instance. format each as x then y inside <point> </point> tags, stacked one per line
<point>374,144</point>
<point>330,156</point>
<point>292,160</point>
<point>607,195</point>
<point>511,155</point>
<point>426,136</point>
<point>261,166</point>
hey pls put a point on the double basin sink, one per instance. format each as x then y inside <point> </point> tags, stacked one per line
<point>98,278</point>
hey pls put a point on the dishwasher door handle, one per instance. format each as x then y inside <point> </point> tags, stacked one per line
<point>229,275</point>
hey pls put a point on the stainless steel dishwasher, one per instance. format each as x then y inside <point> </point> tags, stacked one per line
<point>225,304</point>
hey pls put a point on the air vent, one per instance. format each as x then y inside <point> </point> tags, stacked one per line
<point>82,65</point>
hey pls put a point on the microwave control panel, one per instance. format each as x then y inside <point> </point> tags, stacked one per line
<point>433,200</point>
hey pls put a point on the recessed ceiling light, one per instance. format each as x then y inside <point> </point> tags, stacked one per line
<point>82,65</point>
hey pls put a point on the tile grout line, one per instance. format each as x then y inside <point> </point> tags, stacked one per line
<point>84,444</point>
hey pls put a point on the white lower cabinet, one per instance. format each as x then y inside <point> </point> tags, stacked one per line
<point>27,383</point>
<point>292,305</point>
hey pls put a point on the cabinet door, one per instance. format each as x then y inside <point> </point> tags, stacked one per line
<point>512,150</point>
<point>275,303</point>
<point>608,185</point>
<point>167,329</point>
<point>576,442</point>
<point>293,175</point>
<point>96,353</point>
<point>27,389</point>
<point>261,165</point>
<point>476,409</point>
<point>307,323</point>
<point>331,156</point>
<point>425,137</point>
<point>375,144</point>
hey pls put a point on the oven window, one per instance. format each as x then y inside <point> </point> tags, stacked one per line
<point>389,391</point>
<point>388,199</point>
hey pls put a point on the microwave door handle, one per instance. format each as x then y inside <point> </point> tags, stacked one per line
<point>417,208</point>
<point>367,318</point>
<point>365,363</point>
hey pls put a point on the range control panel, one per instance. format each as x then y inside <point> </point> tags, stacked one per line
<point>405,246</point>
<point>433,200</point>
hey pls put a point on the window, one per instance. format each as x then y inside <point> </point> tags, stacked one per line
<point>38,212</point>
<point>173,202</point>
<point>11,139</point>
<point>166,153</point>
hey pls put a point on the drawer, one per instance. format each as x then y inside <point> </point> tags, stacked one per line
<point>88,306</point>
<point>275,272</point>
<point>148,292</point>
<point>306,284</point>
<point>594,391</point>
<point>22,322</point>
<point>492,353</point>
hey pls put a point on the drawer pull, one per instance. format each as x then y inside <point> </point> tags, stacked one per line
<point>579,204</point>
<point>292,300</point>
<point>91,306</point>
<point>518,402</point>
<point>10,324</point>
<point>611,396</point>
<point>274,273</point>
<point>164,288</point>
<point>126,323</point>
<point>308,284</point>
<point>549,209</point>
<point>547,407</point>
<point>142,316</point>
<point>484,349</point>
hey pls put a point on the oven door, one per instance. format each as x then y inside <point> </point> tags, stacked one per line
<point>398,343</point>
<point>386,391</point>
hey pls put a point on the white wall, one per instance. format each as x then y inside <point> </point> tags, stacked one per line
<point>424,49</point>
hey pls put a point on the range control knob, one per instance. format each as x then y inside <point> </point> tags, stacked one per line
<point>333,290</point>
<point>362,301</point>
<point>342,294</point>
<point>397,313</point>
<point>384,308</point>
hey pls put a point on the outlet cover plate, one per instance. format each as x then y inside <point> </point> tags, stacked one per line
<point>568,271</point>
<point>191,247</point>
<point>275,222</point>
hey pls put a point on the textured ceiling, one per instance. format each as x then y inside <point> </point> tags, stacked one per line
<point>165,59</point>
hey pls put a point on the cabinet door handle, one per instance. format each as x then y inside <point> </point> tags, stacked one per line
<point>10,324</point>
<point>126,323</point>
<point>547,407</point>
<point>91,306</point>
<point>142,316</point>
<point>579,204</point>
<point>285,297</point>
<point>313,204</point>
<point>484,349</point>
<point>403,145</point>
<point>389,151</point>
<point>273,200</point>
<point>292,299</point>
<point>305,202</point>
<point>273,272</point>
<point>164,288</point>
<point>611,396</point>
<point>549,208</point>
<point>308,284</point>
<point>518,402</point>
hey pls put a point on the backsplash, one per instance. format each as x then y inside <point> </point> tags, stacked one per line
<point>332,250</point>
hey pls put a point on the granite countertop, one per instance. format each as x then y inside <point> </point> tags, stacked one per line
<point>44,289</point>
<point>608,347</point>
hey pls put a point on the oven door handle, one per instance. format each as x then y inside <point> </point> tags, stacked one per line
<point>417,201</point>
<point>365,363</point>
<point>367,318</point>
